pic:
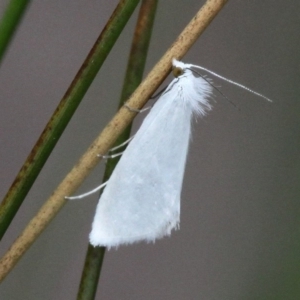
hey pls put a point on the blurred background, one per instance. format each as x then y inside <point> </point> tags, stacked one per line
<point>239,236</point>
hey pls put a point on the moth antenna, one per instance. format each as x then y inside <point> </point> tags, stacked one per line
<point>219,91</point>
<point>232,82</point>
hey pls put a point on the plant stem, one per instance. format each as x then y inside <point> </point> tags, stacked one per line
<point>63,113</point>
<point>10,21</point>
<point>135,68</point>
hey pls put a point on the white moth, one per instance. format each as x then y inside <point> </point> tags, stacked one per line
<point>141,201</point>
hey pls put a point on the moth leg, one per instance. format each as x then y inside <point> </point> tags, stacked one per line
<point>110,155</point>
<point>136,109</point>
<point>159,93</point>
<point>122,144</point>
<point>98,188</point>
<point>116,148</point>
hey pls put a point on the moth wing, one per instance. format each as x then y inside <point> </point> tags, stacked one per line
<point>142,198</point>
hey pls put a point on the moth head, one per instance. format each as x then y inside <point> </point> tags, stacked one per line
<point>178,67</point>
<point>177,71</point>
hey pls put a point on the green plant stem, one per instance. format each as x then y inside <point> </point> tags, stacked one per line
<point>133,77</point>
<point>63,113</point>
<point>10,21</point>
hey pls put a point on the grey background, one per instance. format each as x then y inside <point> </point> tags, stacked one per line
<point>239,235</point>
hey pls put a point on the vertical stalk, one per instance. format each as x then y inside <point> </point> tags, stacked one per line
<point>63,113</point>
<point>135,68</point>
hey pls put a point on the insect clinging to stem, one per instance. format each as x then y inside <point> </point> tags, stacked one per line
<point>141,200</point>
